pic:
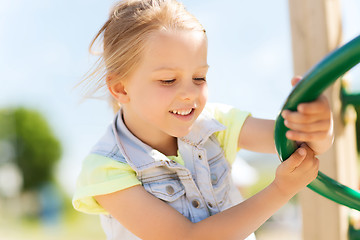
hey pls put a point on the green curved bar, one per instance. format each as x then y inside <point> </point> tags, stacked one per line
<point>314,82</point>
<point>349,98</point>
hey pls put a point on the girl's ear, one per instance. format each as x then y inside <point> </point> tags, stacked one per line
<point>118,91</point>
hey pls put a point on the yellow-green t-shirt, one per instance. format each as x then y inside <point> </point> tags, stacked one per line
<point>102,175</point>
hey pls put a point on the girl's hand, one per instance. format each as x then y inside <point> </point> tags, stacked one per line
<point>297,171</point>
<point>311,123</point>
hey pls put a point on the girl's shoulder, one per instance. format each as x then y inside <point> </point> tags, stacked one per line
<point>233,119</point>
<point>224,113</point>
<point>101,175</point>
<point>107,146</point>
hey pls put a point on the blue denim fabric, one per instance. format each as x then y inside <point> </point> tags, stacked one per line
<point>201,188</point>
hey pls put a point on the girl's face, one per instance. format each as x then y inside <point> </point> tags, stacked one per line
<point>168,91</point>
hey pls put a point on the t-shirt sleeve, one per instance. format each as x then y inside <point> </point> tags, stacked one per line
<point>233,119</point>
<point>101,175</point>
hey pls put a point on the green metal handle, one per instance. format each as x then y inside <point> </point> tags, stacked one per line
<point>314,82</point>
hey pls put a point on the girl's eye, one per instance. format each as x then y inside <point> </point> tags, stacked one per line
<point>167,82</point>
<point>203,79</point>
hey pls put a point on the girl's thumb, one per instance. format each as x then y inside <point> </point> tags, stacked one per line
<point>296,159</point>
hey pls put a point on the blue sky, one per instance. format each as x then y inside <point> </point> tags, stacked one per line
<point>43,54</point>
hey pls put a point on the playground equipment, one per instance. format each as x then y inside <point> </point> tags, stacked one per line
<point>314,82</point>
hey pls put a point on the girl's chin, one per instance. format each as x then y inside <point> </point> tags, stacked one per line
<point>180,134</point>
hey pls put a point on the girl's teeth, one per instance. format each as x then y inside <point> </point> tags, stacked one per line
<point>183,113</point>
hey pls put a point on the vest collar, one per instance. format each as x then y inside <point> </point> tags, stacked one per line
<point>202,129</point>
<point>141,156</point>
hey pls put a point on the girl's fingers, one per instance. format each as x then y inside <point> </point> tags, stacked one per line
<point>318,106</point>
<point>297,117</point>
<point>306,137</point>
<point>312,167</point>
<point>303,159</point>
<point>295,160</point>
<point>297,171</point>
<point>309,112</point>
<point>295,80</point>
<point>319,126</point>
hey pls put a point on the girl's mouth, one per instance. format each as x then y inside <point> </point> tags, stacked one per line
<point>182,112</point>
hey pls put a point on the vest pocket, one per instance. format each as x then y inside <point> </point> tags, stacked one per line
<point>169,191</point>
<point>219,175</point>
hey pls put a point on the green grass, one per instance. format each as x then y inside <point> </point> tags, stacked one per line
<point>71,226</point>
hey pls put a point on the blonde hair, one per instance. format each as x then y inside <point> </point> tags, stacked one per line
<point>124,35</point>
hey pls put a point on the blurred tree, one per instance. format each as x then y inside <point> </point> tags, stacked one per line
<point>35,149</point>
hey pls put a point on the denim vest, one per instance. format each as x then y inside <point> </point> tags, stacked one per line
<point>201,188</point>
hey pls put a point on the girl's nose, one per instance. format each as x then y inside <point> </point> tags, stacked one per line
<point>189,91</point>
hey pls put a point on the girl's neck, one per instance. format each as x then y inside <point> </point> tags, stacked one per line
<point>162,142</point>
<point>168,148</point>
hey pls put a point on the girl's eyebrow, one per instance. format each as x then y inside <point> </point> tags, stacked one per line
<point>176,69</point>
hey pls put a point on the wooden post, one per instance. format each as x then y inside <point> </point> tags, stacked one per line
<point>316,30</point>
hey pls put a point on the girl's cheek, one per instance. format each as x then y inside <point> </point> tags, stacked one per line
<point>165,93</point>
<point>205,92</point>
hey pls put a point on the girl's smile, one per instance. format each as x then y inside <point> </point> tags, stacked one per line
<point>182,112</point>
<point>185,115</point>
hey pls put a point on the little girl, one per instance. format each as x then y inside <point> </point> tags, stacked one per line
<point>162,169</point>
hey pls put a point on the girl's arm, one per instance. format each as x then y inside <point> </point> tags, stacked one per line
<point>150,218</point>
<point>257,135</point>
